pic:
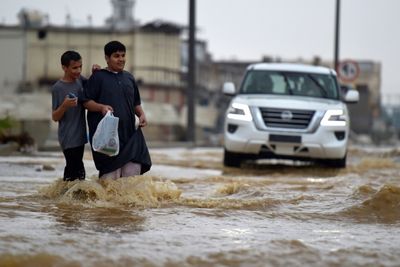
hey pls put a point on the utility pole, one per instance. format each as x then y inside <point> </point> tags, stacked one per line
<point>337,33</point>
<point>191,81</point>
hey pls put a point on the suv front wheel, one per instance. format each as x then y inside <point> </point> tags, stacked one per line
<point>232,159</point>
<point>334,163</point>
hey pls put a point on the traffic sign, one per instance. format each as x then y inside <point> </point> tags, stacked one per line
<point>348,70</point>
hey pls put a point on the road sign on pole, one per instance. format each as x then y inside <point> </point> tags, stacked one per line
<point>348,71</point>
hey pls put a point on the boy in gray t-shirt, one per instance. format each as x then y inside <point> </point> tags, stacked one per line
<point>70,114</point>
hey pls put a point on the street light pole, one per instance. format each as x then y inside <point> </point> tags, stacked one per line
<point>337,33</point>
<point>191,82</point>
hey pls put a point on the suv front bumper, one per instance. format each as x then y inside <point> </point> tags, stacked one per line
<point>325,142</point>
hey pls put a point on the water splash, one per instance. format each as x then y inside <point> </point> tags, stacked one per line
<point>381,206</point>
<point>376,163</point>
<point>138,191</point>
<point>231,188</point>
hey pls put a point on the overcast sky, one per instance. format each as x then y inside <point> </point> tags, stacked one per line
<point>250,29</point>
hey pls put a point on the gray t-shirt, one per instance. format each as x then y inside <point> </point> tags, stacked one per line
<point>72,126</point>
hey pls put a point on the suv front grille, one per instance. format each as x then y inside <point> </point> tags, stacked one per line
<point>286,118</point>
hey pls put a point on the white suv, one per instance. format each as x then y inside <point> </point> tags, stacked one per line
<point>288,111</point>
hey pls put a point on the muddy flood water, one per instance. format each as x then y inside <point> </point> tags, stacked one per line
<point>190,211</point>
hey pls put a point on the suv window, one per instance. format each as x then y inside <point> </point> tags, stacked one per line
<point>290,83</point>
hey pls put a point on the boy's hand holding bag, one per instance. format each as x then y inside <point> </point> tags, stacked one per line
<point>105,139</point>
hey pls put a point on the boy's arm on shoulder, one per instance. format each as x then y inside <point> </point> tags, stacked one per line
<point>84,80</point>
<point>92,86</point>
<point>95,67</point>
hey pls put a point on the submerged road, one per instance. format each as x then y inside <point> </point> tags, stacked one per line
<point>191,211</point>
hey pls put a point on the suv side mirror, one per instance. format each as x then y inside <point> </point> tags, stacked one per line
<point>352,96</point>
<point>229,88</point>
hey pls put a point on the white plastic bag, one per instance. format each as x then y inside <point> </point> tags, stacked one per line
<point>105,139</point>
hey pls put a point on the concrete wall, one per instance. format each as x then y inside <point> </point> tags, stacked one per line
<point>152,57</point>
<point>157,58</point>
<point>12,58</point>
<point>43,55</point>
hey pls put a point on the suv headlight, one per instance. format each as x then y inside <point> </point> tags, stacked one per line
<point>334,117</point>
<point>239,111</point>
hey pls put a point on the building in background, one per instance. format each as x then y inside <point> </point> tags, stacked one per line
<point>12,51</point>
<point>365,77</point>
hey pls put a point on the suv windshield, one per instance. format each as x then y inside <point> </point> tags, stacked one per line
<point>290,83</point>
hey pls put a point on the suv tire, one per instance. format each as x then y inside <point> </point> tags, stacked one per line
<point>232,159</point>
<point>335,163</point>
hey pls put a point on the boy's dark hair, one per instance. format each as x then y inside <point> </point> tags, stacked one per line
<point>114,46</point>
<point>68,56</point>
